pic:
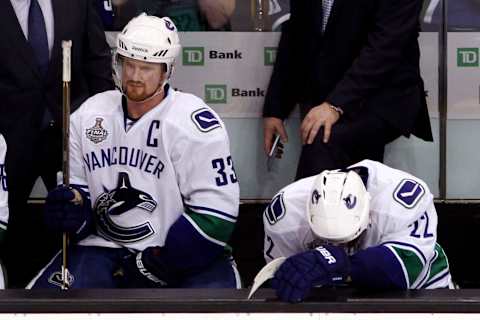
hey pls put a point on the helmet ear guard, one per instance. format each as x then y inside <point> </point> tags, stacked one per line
<point>338,209</point>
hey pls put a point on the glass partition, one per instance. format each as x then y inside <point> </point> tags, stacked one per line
<point>463,118</point>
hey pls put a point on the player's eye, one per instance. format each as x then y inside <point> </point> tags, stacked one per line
<point>146,69</point>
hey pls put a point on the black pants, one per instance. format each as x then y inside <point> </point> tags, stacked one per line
<point>353,139</point>
<point>28,244</point>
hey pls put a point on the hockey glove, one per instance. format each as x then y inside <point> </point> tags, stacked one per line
<point>146,269</point>
<point>325,265</point>
<point>63,214</point>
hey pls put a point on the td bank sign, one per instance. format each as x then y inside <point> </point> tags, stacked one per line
<point>468,57</point>
<point>195,56</point>
<point>215,93</point>
<point>269,55</point>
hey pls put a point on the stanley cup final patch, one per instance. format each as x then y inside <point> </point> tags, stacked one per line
<point>205,120</point>
<point>97,133</point>
<point>408,193</point>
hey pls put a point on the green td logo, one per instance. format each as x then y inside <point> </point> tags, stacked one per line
<point>269,55</point>
<point>193,56</point>
<point>216,93</point>
<point>468,57</point>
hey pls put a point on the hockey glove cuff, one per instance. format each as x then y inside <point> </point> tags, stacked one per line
<point>147,269</point>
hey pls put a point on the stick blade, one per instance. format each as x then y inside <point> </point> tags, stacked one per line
<point>265,274</point>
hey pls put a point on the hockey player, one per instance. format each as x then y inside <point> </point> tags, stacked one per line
<point>3,202</point>
<point>153,167</point>
<point>368,226</point>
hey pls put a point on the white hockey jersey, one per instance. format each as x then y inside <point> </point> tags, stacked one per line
<point>174,161</point>
<point>3,186</point>
<point>402,218</point>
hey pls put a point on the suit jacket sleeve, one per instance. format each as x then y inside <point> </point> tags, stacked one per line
<point>396,26</point>
<point>279,100</point>
<point>97,59</point>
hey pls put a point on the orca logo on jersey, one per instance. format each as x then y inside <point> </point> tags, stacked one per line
<point>205,120</point>
<point>118,201</point>
<point>276,210</point>
<point>408,193</point>
<point>97,133</point>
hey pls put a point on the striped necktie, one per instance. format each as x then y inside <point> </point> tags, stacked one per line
<point>37,36</point>
<point>327,8</point>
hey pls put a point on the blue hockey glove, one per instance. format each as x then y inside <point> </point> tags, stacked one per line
<point>63,214</point>
<point>146,269</point>
<point>325,265</point>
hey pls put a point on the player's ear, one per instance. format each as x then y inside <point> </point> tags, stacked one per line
<point>163,73</point>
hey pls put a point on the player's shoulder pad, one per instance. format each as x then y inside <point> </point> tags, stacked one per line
<point>101,103</point>
<point>287,210</point>
<point>405,202</point>
<point>405,189</point>
<point>398,198</point>
<point>409,191</point>
<point>205,119</point>
<point>200,116</point>
<point>276,210</point>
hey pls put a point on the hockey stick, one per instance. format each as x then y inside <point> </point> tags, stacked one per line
<point>265,274</point>
<point>66,77</point>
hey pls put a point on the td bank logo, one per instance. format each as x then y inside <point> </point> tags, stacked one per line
<point>215,93</point>
<point>468,57</point>
<point>193,56</point>
<point>269,55</point>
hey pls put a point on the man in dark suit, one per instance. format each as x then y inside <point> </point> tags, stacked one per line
<point>31,106</point>
<point>353,67</point>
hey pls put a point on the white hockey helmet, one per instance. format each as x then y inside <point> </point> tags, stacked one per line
<point>150,39</point>
<point>338,208</point>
